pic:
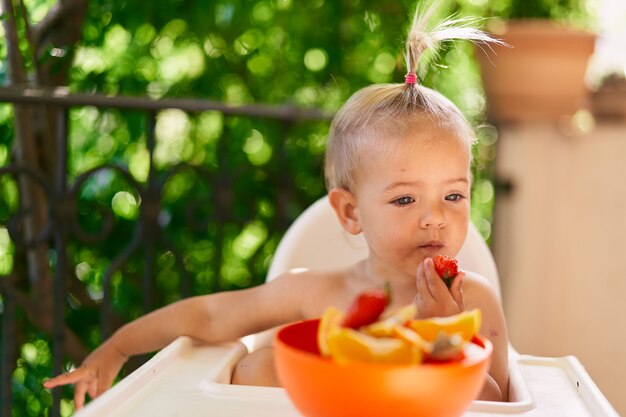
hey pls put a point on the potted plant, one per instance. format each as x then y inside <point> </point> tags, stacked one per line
<point>541,76</point>
<point>608,101</point>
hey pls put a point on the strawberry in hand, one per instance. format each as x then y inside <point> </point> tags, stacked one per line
<point>366,309</point>
<point>446,268</point>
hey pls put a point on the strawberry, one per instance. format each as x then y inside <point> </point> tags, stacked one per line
<point>446,268</point>
<point>366,308</point>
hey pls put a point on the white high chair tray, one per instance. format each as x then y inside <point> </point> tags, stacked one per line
<point>189,379</point>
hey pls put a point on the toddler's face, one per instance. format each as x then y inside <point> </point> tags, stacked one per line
<point>412,198</point>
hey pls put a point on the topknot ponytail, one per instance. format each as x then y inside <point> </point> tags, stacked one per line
<point>422,38</point>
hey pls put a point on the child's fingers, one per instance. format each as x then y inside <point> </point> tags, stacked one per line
<point>434,282</point>
<point>420,281</point>
<point>93,389</point>
<point>79,394</point>
<point>456,289</point>
<point>66,378</point>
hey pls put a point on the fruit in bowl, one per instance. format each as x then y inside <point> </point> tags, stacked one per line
<point>384,367</point>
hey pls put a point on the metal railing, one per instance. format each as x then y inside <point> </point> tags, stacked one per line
<point>62,194</point>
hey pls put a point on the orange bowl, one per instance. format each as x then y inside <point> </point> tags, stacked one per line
<point>319,387</point>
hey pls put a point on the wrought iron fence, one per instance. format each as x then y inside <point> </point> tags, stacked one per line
<point>61,224</point>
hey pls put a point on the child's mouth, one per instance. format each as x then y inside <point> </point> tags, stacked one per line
<point>432,247</point>
<point>432,244</point>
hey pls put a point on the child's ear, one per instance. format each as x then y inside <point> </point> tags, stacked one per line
<point>344,204</point>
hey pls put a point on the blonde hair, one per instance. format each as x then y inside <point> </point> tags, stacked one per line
<point>375,113</point>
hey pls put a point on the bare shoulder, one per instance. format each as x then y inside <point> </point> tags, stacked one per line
<point>307,279</point>
<point>478,290</point>
<point>314,290</point>
<point>479,293</point>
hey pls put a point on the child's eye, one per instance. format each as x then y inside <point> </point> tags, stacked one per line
<point>454,197</point>
<point>403,201</point>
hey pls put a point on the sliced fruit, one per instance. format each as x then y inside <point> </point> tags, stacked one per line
<point>348,346</point>
<point>446,349</point>
<point>402,314</point>
<point>466,324</point>
<point>386,326</point>
<point>366,308</point>
<point>329,323</point>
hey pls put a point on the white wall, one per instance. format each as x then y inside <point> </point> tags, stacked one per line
<point>560,244</point>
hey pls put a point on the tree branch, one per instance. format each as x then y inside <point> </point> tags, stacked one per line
<point>17,74</point>
<point>42,318</point>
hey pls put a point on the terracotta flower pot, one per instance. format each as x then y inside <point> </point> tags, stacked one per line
<point>609,101</point>
<point>541,77</point>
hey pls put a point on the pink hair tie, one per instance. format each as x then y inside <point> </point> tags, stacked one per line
<point>410,78</point>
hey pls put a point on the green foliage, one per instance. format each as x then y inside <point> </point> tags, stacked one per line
<point>310,53</point>
<point>580,13</point>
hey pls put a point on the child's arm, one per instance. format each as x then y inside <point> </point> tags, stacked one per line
<point>479,294</point>
<point>213,318</point>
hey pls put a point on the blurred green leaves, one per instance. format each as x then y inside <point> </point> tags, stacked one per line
<point>6,252</point>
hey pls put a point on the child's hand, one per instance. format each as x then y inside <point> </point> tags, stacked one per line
<point>433,298</point>
<point>94,376</point>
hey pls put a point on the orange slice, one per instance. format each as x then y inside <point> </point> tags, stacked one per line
<point>386,327</point>
<point>329,323</point>
<point>402,314</point>
<point>466,324</point>
<point>348,346</point>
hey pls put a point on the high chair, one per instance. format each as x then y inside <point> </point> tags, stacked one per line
<point>189,379</point>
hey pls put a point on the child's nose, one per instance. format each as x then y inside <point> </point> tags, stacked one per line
<point>428,224</point>
<point>433,218</point>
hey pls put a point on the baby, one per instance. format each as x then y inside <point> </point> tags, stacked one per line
<point>398,171</point>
